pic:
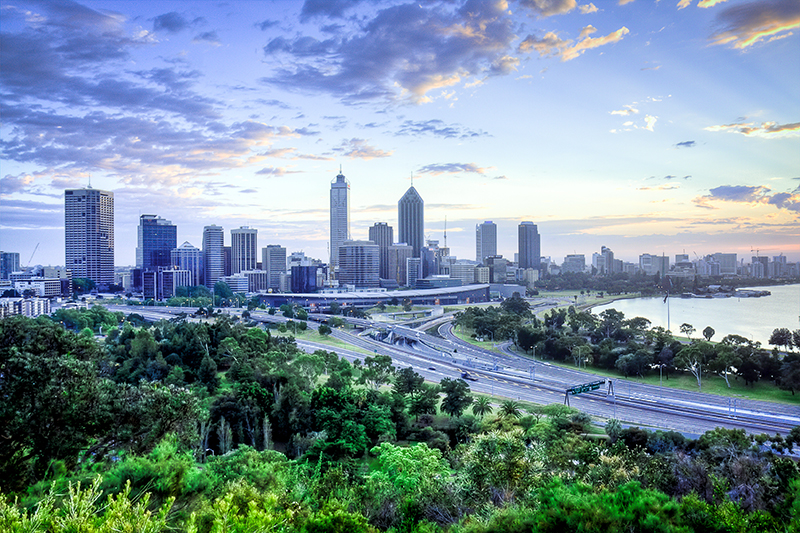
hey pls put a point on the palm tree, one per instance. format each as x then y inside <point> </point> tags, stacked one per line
<point>510,408</point>
<point>482,407</point>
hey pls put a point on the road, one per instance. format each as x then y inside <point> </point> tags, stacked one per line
<point>506,374</point>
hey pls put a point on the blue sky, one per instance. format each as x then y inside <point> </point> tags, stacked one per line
<point>647,127</point>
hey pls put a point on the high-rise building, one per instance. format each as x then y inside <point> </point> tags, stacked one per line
<point>652,264</point>
<point>485,241</point>
<point>359,264</point>
<point>188,257</point>
<point>574,263</point>
<point>9,262</point>
<point>273,260</point>
<point>530,248</point>
<point>213,254</point>
<point>727,263</point>
<point>157,239</point>
<point>244,250</point>
<point>398,253</point>
<point>89,234</point>
<point>411,220</point>
<point>382,234</point>
<point>340,215</point>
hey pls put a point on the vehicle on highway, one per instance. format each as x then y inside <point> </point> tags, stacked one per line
<point>468,376</point>
<point>431,368</point>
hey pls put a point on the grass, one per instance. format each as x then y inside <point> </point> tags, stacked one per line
<point>312,336</point>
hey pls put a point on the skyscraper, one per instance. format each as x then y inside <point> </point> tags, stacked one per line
<point>485,240</point>
<point>9,262</point>
<point>358,264</point>
<point>187,257</point>
<point>89,234</point>
<point>530,253</point>
<point>382,234</point>
<point>340,215</point>
<point>157,239</point>
<point>411,219</point>
<point>273,260</point>
<point>213,254</point>
<point>244,250</point>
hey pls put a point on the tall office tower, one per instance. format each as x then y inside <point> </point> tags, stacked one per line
<point>608,260</point>
<point>340,215</point>
<point>157,239</point>
<point>187,257</point>
<point>9,262</point>
<point>89,234</point>
<point>530,249</point>
<point>244,250</point>
<point>485,241</point>
<point>398,254</point>
<point>273,260</point>
<point>213,254</point>
<point>411,219</point>
<point>574,263</point>
<point>359,264</point>
<point>382,234</point>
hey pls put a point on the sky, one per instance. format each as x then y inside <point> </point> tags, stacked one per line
<point>645,126</point>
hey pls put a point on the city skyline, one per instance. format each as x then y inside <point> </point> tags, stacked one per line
<point>647,128</point>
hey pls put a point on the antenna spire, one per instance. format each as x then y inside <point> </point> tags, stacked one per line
<point>412,179</point>
<point>445,231</point>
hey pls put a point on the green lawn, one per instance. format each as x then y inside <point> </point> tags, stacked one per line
<point>312,336</point>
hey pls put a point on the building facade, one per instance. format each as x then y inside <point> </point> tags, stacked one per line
<point>530,246</point>
<point>89,234</point>
<point>398,254</point>
<point>359,264</point>
<point>411,220</point>
<point>157,238</point>
<point>9,262</point>
<point>244,249</point>
<point>340,216</point>
<point>213,254</point>
<point>485,241</point>
<point>188,257</point>
<point>382,234</point>
<point>273,261</point>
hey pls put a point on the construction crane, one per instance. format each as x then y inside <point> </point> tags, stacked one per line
<point>34,253</point>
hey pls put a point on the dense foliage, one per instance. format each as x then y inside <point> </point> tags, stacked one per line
<point>214,426</point>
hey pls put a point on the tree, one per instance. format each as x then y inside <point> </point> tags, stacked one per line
<point>708,332</point>
<point>692,358</point>
<point>377,370</point>
<point>207,374</point>
<point>324,329</point>
<point>222,290</point>
<point>781,337</point>
<point>687,329</point>
<point>425,402</point>
<point>457,396</point>
<point>724,361</point>
<point>510,409</point>
<point>407,306</point>
<point>790,372</point>
<point>516,305</point>
<point>408,382</point>
<point>482,406</point>
<point>610,322</point>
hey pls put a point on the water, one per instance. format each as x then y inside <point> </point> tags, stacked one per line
<point>753,318</point>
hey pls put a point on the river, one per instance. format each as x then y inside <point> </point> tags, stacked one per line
<point>753,318</point>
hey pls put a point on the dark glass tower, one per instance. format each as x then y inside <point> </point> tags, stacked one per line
<point>157,239</point>
<point>530,253</point>
<point>411,220</point>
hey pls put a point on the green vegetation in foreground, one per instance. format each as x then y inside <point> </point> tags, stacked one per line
<point>311,335</point>
<point>220,426</point>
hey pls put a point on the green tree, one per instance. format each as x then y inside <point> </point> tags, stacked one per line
<point>708,332</point>
<point>516,305</point>
<point>425,402</point>
<point>482,406</point>
<point>781,337</point>
<point>687,329</point>
<point>377,370</point>
<point>510,409</point>
<point>408,382</point>
<point>207,374</point>
<point>790,372</point>
<point>457,396</point>
<point>694,358</point>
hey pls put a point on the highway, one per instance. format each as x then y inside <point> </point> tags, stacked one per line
<point>506,374</point>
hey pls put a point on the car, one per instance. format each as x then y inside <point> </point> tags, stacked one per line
<point>431,368</point>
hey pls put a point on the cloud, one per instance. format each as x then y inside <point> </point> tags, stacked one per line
<point>650,121</point>
<point>266,24</point>
<point>686,144</point>
<point>326,8</point>
<point>10,184</point>
<point>630,110</point>
<point>754,195</point>
<point>402,53</point>
<point>766,130</point>
<point>275,171</point>
<point>623,2</point>
<point>452,168</point>
<point>664,187</point>
<point>587,8</point>
<point>438,128</point>
<point>171,22</point>
<point>552,45</point>
<point>669,177</point>
<point>744,25</point>
<point>547,8</point>
<point>359,149</point>
<point>207,37</point>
